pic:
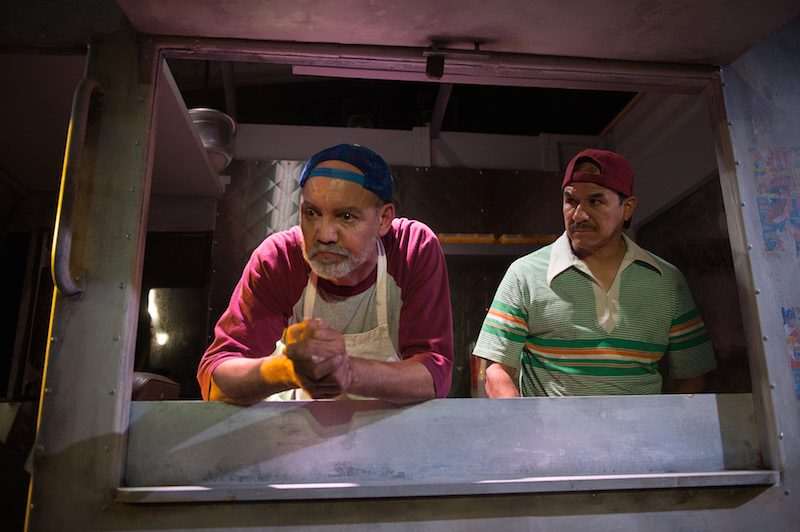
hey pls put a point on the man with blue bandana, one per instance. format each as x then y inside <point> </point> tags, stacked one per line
<point>350,303</point>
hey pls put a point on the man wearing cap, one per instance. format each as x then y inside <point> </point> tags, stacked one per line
<point>352,302</point>
<point>593,313</point>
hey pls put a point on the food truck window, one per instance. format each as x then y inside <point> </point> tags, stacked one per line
<point>333,449</point>
<point>263,95</point>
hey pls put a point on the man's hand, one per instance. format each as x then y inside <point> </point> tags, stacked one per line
<point>320,360</point>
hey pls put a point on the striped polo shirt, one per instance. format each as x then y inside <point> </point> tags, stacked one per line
<point>566,336</point>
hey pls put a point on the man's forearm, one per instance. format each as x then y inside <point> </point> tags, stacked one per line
<point>500,381</point>
<point>245,381</point>
<point>401,382</point>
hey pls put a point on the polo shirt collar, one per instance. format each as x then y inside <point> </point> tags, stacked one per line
<point>562,257</point>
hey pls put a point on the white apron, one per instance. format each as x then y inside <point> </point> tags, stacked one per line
<point>375,344</point>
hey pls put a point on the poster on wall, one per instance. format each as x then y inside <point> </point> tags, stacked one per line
<point>777,175</point>
<point>791,323</point>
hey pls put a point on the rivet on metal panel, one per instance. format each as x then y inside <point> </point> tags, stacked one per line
<point>106,448</point>
<point>137,142</point>
<point>742,204</point>
<point>736,163</point>
<point>765,338</point>
<point>730,123</point>
<point>128,236</point>
<point>110,392</point>
<point>756,291</point>
<point>780,436</point>
<point>772,386</point>
<point>115,338</point>
<point>787,492</point>
<point>749,246</point>
<point>121,285</point>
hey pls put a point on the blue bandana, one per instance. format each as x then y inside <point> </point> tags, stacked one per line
<point>339,173</point>
<point>377,177</point>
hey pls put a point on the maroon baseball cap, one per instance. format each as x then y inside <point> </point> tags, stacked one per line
<point>615,172</point>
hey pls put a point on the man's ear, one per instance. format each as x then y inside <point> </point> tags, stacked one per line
<point>385,215</point>
<point>629,205</point>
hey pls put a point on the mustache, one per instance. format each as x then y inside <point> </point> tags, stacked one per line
<point>330,247</point>
<point>582,226</point>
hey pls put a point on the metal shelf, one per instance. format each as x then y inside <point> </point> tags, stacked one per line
<point>518,250</point>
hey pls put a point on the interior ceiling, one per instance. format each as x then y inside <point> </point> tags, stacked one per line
<point>703,32</point>
<point>713,32</point>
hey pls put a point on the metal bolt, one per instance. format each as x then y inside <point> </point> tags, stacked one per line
<point>110,392</point>
<point>756,291</point>
<point>787,492</point>
<point>780,436</point>
<point>115,338</point>
<point>765,338</point>
<point>749,246</point>
<point>742,204</point>
<point>128,236</point>
<point>736,163</point>
<point>121,285</point>
<point>772,386</point>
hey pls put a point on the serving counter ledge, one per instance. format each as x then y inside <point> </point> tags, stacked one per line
<point>182,451</point>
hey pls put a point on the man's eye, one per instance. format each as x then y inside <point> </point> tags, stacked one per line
<point>309,213</point>
<point>347,217</point>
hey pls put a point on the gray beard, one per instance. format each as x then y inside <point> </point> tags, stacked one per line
<point>332,270</point>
